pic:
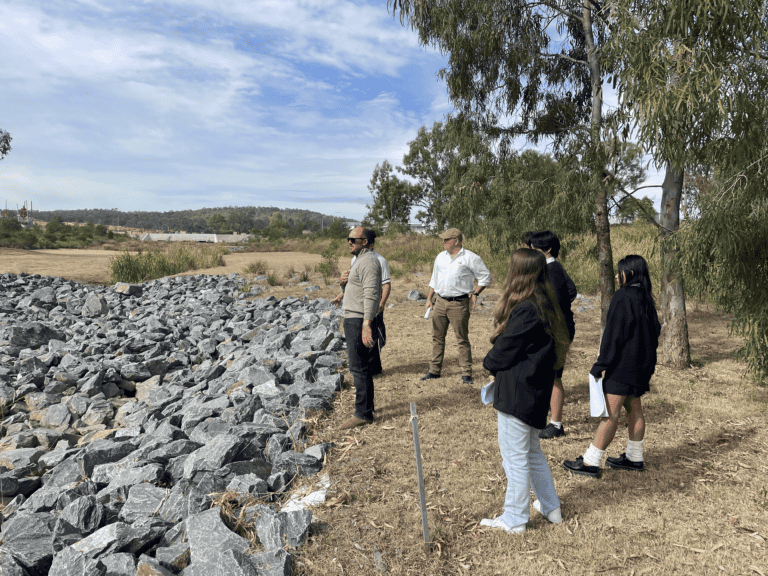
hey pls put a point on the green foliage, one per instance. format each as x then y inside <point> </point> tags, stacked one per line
<point>246,218</point>
<point>329,267</point>
<point>697,83</point>
<point>336,229</point>
<point>240,220</point>
<point>156,264</point>
<point>13,235</point>
<point>392,199</point>
<point>438,160</point>
<point>5,143</point>
<point>631,209</point>
<point>725,257</point>
<point>218,224</point>
<point>531,192</point>
<point>505,71</point>
<point>55,235</point>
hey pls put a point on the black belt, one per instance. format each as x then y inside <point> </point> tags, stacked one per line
<point>454,298</point>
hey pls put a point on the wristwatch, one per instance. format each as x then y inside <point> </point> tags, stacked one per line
<point>475,293</point>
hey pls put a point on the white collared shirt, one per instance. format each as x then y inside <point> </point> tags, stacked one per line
<point>550,260</point>
<point>453,277</point>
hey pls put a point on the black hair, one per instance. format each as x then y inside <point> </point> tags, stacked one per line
<point>635,269</point>
<point>546,241</point>
<point>525,239</point>
<point>370,235</point>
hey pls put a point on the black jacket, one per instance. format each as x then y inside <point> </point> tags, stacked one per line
<point>628,347</point>
<point>565,291</point>
<point>522,361</point>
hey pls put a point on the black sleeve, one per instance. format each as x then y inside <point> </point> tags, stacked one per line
<point>618,324</point>
<point>572,292</point>
<point>565,289</point>
<point>509,345</point>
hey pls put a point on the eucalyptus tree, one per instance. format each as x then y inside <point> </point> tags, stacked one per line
<point>437,159</point>
<point>522,192</point>
<point>694,75</point>
<point>393,198</point>
<point>532,69</point>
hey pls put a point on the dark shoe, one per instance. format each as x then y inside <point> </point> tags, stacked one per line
<point>578,467</point>
<point>429,376</point>
<point>353,422</point>
<point>624,463</point>
<point>551,431</point>
<point>467,379</point>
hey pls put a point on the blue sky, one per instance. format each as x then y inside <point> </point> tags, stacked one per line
<point>173,105</point>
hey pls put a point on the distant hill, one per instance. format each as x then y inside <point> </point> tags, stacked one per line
<point>204,220</point>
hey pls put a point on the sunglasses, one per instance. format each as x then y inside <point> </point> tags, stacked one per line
<point>353,240</point>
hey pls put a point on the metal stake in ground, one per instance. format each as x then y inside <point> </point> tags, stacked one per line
<point>422,495</point>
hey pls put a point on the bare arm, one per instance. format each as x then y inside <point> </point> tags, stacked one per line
<point>385,290</point>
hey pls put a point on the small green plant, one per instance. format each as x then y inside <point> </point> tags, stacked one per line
<point>329,267</point>
<point>271,278</point>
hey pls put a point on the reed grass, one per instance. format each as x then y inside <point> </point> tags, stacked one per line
<point>155,264</point>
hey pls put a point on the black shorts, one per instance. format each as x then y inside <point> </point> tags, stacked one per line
<point>623,389</point>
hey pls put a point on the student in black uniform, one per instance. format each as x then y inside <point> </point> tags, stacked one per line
<point>529,339</point>
<point>565,290</point>
<point>626,363</point>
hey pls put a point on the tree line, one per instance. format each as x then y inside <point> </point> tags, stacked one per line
<point>225,220</point>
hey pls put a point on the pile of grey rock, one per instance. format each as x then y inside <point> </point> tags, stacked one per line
<point>127,411</point>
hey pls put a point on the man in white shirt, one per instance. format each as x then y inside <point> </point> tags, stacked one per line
<point>452,294</point>
<point>379,329</point>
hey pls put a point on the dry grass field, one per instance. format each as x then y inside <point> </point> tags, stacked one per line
<point>701,507</point>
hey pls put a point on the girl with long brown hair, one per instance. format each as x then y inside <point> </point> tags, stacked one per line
<point>529,339</point>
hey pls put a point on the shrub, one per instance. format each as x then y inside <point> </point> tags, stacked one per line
<point>140,267</point>
<point>329,267</point>
<point>258,268</point>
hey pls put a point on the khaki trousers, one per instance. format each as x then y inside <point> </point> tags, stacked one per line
<point>455,313</point>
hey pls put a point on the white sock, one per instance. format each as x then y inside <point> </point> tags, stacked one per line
<point>556,424</point>
<point>635,450</point>
<point>593,456</point>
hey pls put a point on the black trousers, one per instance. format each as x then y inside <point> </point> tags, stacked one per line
<point>360,367</point>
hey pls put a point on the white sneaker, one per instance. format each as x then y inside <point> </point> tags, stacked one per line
<point>556,516</point>
<point>499,523</point>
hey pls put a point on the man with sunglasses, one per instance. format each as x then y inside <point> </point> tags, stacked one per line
<point>378,326</point>
<point>452,294</point>
<point>362,295</point>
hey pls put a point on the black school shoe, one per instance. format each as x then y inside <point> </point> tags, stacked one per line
<point>578,467</point>
<point>551,431</point>
<point>429,376</point>
<point>624,463</point>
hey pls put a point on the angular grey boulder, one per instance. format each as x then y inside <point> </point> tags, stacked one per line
<point>208,536</point>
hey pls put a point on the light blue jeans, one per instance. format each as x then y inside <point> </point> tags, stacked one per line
<point>526,467</point>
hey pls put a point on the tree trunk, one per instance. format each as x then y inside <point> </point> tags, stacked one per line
<point>604,251</point>
<point>675,349</point>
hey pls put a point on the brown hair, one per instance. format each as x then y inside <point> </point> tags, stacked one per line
<point>528,279</point>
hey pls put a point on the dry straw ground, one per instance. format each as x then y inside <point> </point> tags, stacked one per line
<point>700,508</point>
